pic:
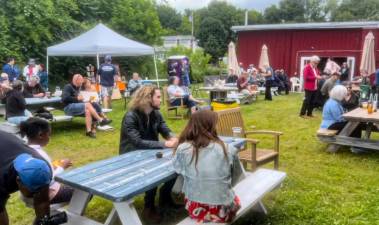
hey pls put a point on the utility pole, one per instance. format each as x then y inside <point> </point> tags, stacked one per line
<point>192,37</point>
<point>246,17</point>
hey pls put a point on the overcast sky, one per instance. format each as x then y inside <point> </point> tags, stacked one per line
<point>258,5</point>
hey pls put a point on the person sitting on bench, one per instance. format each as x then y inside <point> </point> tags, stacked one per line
<point>15,106</point>
<point>140,129</point>
<point>22,169</point>
<point>74,106</point>
<point>243,84</point>
<point>177,95</point>
<point>38,132</point>
<point>332,112</point>
<point>134,83</point>
<point>88,91</point>
<point>33,88</point>
<point>209,196</point>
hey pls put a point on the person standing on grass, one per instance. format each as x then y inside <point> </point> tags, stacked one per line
<point>38,132</point>
<point>268,74</point>
<point>74,106</point>
<point>10,69</point>
<point>205,162</point>
<point>140,129</point>
<point>106,76</point>
<point>311,74</point>
<point>22,169</point>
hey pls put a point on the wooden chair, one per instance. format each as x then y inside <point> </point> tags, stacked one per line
<point>251,154</point>
<point>180,111</point>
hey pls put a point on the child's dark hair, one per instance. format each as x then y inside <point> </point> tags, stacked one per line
<point>32,127</point>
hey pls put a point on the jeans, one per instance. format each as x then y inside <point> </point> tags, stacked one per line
<point>186,101</point>
<point>164,194</point>
<point>18,119</point>
<point>307,106</point>
<point>268,95</point>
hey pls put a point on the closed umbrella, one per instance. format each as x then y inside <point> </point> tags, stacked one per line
<point>232,58</point>
<point>263,59</point>
<point>368,54</point>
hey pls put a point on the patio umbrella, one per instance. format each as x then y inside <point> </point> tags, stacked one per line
<point>368,54</point>
<point>263,59</point>
<point>232,58</point>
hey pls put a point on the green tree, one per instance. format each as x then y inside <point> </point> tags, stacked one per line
<point>255,17</point>
<point>213,38</point>
<point>137,20</point>
<point>350,10</point>
<point>272,14</point>
<point>169,18</point>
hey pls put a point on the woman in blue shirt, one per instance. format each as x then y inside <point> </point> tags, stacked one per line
<point>332,112</point>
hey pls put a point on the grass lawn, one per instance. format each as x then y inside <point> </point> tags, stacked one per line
<point>321,188</point>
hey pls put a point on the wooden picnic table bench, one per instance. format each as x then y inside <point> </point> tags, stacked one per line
<point>354,118</point>
<point>119,179</point>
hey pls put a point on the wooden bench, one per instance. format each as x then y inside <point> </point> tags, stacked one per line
<point>9,128</point>
<point>180,111</point>
<point>326,135</point>
<point>255,156</point>
<point>251,191</point>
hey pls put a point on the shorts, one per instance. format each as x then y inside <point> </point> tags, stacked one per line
<point>204,213</point>
<point>75,109</point>
<point>106,91</point>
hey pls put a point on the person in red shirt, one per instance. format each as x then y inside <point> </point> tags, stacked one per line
<point>310,74</point>
<point>243,84</point>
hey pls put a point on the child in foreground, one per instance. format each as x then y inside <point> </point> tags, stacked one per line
<point>205,162</point>
<point>38,132</point>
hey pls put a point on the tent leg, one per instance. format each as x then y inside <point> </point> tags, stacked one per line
<point>156,69</point>
<point>47,71</point>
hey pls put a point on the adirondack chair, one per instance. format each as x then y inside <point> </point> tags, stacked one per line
<point>255,156</point>
<point>180,111</point>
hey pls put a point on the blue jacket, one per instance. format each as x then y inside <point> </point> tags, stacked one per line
<point>11,71</point>
<point>331,113</point>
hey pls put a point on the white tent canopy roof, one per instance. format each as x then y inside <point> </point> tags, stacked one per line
<point>100,40</point>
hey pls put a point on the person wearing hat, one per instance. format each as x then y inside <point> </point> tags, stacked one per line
<point>106,76</point>
<point>33,88</point>
<point>30,69</point>
<point>22,169</point>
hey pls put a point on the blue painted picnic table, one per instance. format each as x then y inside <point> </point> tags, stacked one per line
<point>123,177</point>
<point>42,101</point>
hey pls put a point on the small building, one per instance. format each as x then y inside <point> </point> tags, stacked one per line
<point>291,45</point>
<point>175,41</point>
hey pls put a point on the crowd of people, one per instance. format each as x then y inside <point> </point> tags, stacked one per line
<point>252,78</point>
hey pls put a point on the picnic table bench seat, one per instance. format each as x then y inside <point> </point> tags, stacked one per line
<point>251,190</point>
<point>326,135</point>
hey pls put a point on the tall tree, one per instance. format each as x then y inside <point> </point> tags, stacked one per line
<point>169,18</point>
<point>255,17</point>
<point>272,14</point>
<point>350,10</point>
<point>213,37</point>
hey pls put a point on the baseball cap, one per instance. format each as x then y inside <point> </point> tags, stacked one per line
<point>108,58</point>
<point>34,173</point>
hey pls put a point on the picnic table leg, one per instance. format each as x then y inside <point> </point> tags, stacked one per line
<point>368,130</point>
<point>79,202</point>
<point>259,207</point>
<point>111,218</point>
<point>127,213</point>
<point>346,131</point>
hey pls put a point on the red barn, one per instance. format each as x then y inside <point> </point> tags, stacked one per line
<point>291,45</point>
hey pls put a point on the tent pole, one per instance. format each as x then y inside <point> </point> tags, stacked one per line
<point>47,71</point>
<point>97,60</point>
<point>156,69</point>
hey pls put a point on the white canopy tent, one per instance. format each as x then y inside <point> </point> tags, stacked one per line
<point>100,41</point>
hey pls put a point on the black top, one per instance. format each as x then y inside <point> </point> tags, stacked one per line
<point>70,94</point>
<point>30,91</point>
<point>10,148</point>
<point>141,131</point>
<point>344,74</point>
<point>15,104</point>
<point>107,72</point>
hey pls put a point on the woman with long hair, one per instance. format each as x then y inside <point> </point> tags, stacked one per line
<point>205,162</point>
